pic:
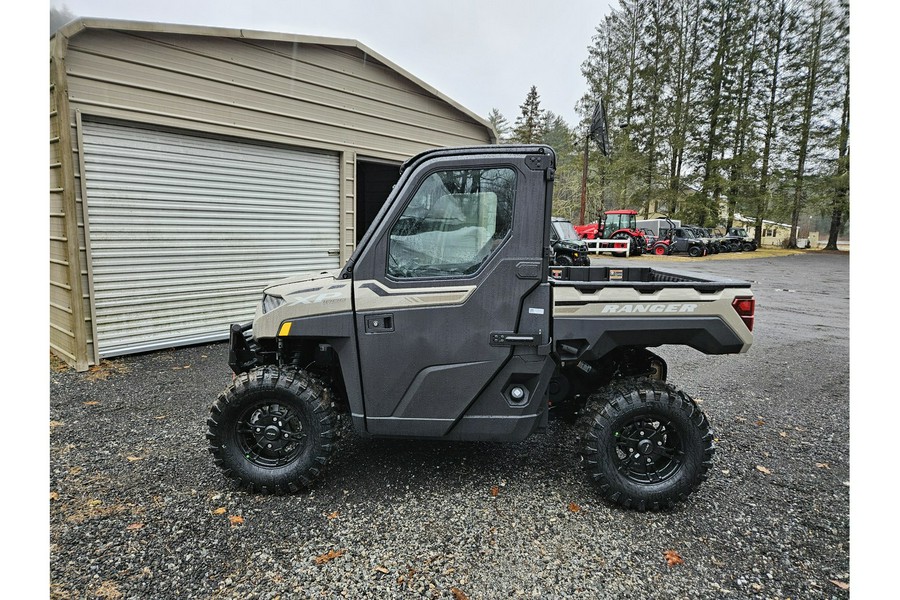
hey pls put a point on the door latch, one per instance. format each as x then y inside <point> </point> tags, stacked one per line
<point>379,323</point>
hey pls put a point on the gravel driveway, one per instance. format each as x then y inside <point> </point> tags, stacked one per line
<point>138,510</point>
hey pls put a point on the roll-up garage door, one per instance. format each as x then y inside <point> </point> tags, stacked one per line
<point>186,231</point>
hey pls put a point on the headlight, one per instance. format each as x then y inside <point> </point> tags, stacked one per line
<point>270,302</point>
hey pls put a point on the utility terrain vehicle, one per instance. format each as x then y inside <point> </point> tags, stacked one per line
<point>741,238</point>
<point>568,249</point>
<point>679,239</point>
<point>447,322</point>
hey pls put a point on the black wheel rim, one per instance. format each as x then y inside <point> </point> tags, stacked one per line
<point>648,449</point>
<point>271,434</point>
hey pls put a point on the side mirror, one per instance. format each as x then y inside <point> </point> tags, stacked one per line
<point>599,131</point>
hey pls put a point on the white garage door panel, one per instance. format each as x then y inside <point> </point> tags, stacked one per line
<point>186,231</point>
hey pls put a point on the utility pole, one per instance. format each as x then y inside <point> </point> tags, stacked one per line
<point>584,170</point>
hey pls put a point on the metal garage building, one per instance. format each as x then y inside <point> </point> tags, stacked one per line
<point>190,166</point>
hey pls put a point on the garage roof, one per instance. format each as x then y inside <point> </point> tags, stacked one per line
<point>75,27</point>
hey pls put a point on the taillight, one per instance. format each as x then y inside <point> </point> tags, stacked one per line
<point>745,308</point>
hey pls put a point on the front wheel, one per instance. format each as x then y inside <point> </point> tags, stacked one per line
<point>563,260</point>
<point>695,251</point>
<point>646,444</point>
<point>272,430</point>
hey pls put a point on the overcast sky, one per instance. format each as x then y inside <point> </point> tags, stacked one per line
<point>481,53</point>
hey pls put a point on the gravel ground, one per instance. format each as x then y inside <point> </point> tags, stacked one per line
<point>138,510</point>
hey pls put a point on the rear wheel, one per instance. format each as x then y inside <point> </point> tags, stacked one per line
<point>272,430</point>
<point>748,247</point>
<point>646,444</point>
<point>695,251</point>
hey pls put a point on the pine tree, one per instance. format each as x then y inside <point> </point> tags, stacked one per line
<point>840,203</point>
<point>529,126</point>
<point>500,124</point>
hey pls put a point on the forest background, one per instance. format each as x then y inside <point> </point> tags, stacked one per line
<point>715,107</point>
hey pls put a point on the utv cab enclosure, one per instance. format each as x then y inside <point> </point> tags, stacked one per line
<point>448,322</point>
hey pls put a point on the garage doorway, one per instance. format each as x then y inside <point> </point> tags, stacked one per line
<point>374,182</point>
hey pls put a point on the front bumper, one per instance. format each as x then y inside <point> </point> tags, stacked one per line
<point>241,348</point>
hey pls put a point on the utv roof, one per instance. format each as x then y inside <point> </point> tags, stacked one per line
<point>487,149</point>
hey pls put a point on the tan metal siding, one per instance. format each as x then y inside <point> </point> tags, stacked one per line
<point>304,94</point>
<point>67,302</point>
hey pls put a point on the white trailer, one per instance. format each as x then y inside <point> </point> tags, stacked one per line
<point>659,227</point>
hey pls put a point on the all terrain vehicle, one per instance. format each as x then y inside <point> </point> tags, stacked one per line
<point>739,238</point>
<point>447,322</point>
<point>711,243</point>
<point>568,249</point>
<point>677,239</point>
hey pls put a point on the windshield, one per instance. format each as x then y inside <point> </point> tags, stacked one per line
<point>617,221</point>
<point>565,230</point>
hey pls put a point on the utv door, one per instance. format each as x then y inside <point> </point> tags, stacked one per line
<point>451,286</point>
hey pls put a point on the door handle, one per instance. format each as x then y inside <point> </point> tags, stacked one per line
<point>379,323</point>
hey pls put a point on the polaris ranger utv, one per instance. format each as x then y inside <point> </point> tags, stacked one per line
<point>447,322</point>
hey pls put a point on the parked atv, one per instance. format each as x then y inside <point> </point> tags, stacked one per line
<point>712,245</point>
<point>740,236</point>
<point>568,248</point>
<point>679,240</point>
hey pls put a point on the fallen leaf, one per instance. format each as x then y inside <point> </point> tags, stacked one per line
<point>134,526</point>
<point>760,422</point>
<point>763,470</point>
<point>574,507</point>
<point>219,511</point>
<point>160,417</point>
<point>94,502</point>
<point>236,520</point>
<point>823,465</point>
<point>329,556</point>
<point>75,470</point>
<point>495,490</point>
<point>333,515</point>
<point>108,591</point>
<point>673,558</point>
<point>54,496</point>
<point>55,424</point>
<point>458,594</point>
<point>782,433</point>
<point>840,584</point>
<point>381,569</point>
<point>740,419</point>
<point>134,458</point>
<point>756,586</point>
<point>91,403</point>
<point>726,472</point>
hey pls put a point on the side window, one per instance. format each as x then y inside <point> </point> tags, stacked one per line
<point>454,222</point>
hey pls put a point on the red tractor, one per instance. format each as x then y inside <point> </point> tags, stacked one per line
<point>616,225</point>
